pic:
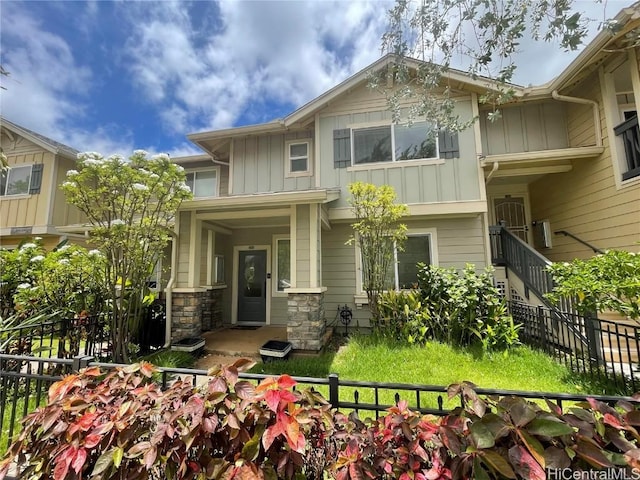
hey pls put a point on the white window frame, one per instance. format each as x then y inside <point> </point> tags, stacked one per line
<point>195,172</point>
<point>274,267</point>
<point>8,172</point>
<point>288,158</point>
<point>361,295</point>
<point>614,114</point>
<point>394,162</point>
<point>218,268</point>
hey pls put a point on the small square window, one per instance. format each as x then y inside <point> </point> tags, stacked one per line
<point>298,158</point>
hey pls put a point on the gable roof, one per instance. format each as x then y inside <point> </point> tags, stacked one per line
<point>47,143</point>
<point>209,139</point>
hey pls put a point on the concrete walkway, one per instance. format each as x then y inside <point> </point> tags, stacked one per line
<point>225,345</point>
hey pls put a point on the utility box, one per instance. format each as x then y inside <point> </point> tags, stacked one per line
<point>275,350</point>
<point>542,234</point>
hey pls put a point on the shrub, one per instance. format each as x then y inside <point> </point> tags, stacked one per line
<point>61,280</point>
<point>121,425</point>
<point>491,439</point>
<point>455,308</point>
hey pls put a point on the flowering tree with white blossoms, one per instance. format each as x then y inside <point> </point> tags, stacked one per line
<point>59,282</point>
<point>130,207</point>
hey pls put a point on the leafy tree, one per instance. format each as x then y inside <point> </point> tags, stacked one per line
<point>130,206</point>
<point>62,281</point>
<point>610,281</point>
<point>377,231</point>
<point>484,32</point>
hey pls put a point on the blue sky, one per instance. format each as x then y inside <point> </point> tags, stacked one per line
<point>116,76</point>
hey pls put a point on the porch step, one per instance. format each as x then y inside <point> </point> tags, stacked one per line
<point>233,353</point>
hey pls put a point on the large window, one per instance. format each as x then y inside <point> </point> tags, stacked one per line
<point>203,183</point>
<point>298,158</point>
<point>393,143</point>
<point>420,247</point>
<point>15,181</point>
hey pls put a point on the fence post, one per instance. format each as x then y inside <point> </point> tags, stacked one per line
<point>81,361</point>
<point>592,324</point>
<point>333,390</point>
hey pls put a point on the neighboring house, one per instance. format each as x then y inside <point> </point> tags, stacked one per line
<point>31,204</point>
<point>264,239</point>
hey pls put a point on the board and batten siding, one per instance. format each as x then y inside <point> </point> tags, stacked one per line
<point>64,213</point>
<point>30,210</point>
<point>585,200</point>
<point>460,241</point>
<point>259,164</point>
<point>455,179</point>
<point>525,128</point>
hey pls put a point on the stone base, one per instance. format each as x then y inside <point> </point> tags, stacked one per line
<point>306,323</point>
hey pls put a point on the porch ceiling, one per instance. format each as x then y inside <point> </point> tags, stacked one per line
<point>235,223</point>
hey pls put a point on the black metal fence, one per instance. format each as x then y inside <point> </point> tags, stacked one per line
<point>59,338</point>
<point>604,350</point>
<point>24,381</point>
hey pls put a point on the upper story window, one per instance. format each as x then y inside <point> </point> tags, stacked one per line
<point>369,145</point>
<point>630,134</point>
<point>393,143</point>
<point>22,180</point>
<point>298,158</point>
<point>203,183</point>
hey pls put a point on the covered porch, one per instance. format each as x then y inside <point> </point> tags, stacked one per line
<point>250,261</point>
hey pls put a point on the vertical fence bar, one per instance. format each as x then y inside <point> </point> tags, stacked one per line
<point>334,386</point>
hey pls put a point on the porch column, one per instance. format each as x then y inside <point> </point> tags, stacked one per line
<point>306,324</point>
<point>186,313</point>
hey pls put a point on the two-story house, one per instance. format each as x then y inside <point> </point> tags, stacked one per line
<point>264,240</point>
<point>31,204</point>
<point>265,236</point>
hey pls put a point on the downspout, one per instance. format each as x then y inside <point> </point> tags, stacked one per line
<point>496,165</point>
<point>169,289</point>
<point>584,101</point>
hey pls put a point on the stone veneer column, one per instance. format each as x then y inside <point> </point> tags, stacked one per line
<point>306,325</point>
<point>186,314</point>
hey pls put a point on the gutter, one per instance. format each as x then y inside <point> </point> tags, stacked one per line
<point>584,101</point>
<point>496,165</point>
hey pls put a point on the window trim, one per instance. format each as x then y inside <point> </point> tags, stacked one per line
<point>613,115</point>
<point>7,173</point>
<point>288,158</point>
<point>360,295</point>
<point>274,264</point>
<point>394,162</point>
<point>205,169</point>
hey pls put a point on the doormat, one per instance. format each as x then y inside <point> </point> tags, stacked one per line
<point>245,327</point>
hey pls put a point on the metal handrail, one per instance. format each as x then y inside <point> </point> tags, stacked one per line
<point>578,239</point>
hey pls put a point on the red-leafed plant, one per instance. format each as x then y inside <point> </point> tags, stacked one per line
<point>122,426</point>
<point>492,439</point>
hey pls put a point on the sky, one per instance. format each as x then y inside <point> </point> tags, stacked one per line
<point>113,77</point>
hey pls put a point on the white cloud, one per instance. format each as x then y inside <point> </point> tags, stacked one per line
<point>260,53</point>
<point>48,91</point>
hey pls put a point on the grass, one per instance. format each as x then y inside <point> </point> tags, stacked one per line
<point>367,358</point>
<point>170,359</point>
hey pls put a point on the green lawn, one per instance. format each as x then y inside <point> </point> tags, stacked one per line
<point>366,358</point>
